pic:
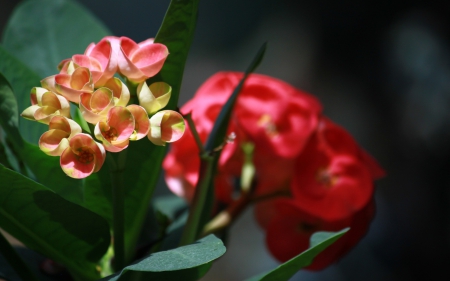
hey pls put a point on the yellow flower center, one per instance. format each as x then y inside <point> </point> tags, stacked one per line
<point>324,177</point>
<point>266,122</point>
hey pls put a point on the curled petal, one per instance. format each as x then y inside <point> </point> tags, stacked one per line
<point>141,122</point>
<point>49,83</point>
<point>46,104</point>
<point>116,131</point>
<point>94,107</point>
<point>155,97</point>
<point>140,61</point>
<point>56,140</point>
<point>72,86</point>
<point>120,91</point>
<point>166,126</point>
<point>83,157</point>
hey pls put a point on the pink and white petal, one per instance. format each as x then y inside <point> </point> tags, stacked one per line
<point>49,83</point>
<point>45,113</point>
<point>86,111</point>
<point>129,70</point>
<point>141,122</point>
<point>121,119</point>
<point>73,167</point>
<point>63,65</point>
<point>162,92</point>
<point>101,101</point>
<point>54,142</point>
<point>28,113</point>
<point>65,106</point>
<point>120,91</point>
<point>172,126</point>
<point>50,99</point>
<point>155,97</point>
<point>81,79</point>
<point>89,49</point>
<point>36,95</point>
<point>150,58</point>
<point>118,146</point>
<point>146,42</point>
<point>100,155</point>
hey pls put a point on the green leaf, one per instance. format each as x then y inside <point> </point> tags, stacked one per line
<point>319,242</point>
<point>184,263</point>
<point>41,33</point>
<point>22,79</point>
<point>45,168</point>
<point>176,32</point>
<point>51,225</point>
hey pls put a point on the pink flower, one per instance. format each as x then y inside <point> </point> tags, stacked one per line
<point>141,122</point>
<point>99,58</point>
<point>45,105</point>
<point>72,84</point>
<point>116,131</point>
<point>140,61</point>
<point>56,139</point>
<point>166,126</point>
<point>82,157</point>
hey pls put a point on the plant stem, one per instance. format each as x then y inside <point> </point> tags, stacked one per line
<point>118,198</point>
<point>197,139</point>
<point>191,228</point>
<point>16,262</point>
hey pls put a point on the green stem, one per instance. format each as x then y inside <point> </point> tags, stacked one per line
<point>118,198</point>
<point>197,139</point>
<point>191,229</point>
<point>16,262</point>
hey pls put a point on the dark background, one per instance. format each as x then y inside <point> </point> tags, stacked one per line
<point>381,70</point>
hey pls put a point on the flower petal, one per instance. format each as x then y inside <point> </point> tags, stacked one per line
<point>141,122</point>
<point>155,97</point>
<point>166,126</point>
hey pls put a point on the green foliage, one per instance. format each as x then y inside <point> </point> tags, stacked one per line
<point>22,79</point>
<point>184,263</point>
<point>176,32</point>
<point>319,242</point>
<point>51,225</point>
<point>41,33</point>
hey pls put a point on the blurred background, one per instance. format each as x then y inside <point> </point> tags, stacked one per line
<point>381,70</point>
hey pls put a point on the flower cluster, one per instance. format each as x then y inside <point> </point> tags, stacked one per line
<point>310,175</point>
<point>105,102</point>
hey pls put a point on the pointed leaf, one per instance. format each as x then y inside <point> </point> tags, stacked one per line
<point>176,32</point>
<point>51,225</point>
<point>42,33</point>
<point>46,168</point>
<point>22,80</point>
<point>184,263</point>
<point>319,242</point>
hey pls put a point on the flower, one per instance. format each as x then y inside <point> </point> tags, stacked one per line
<point>45,105</point>
<point>115,132</point>
<point>99,58</point>
<point>289,232</point>
<point>140,61</point>
<point>166,126</point>
<point>277,118</point>
<point>56,139</point>
<point>95,106</point>
<point>71,84</point>
<point>155,97</point>
<point>82,157</point>
<point>331,188</point>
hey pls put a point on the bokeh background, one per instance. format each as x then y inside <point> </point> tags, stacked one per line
<point>381,70</point>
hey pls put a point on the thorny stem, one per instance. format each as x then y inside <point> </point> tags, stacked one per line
<point>195,134</point>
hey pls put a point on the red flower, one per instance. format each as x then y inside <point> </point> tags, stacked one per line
<point>334,177</point>
<point>289,232</point>
<point>332,188</point>
<point>277,118</point>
